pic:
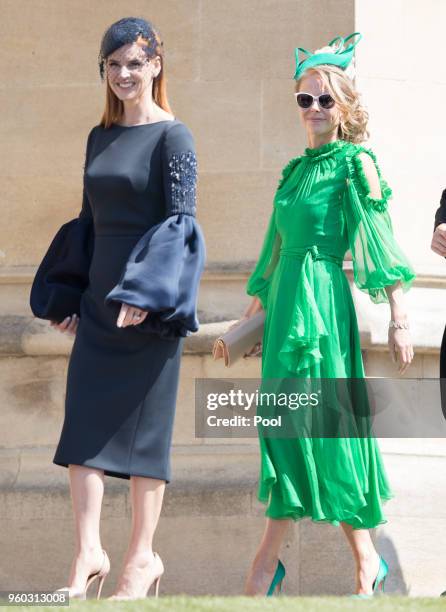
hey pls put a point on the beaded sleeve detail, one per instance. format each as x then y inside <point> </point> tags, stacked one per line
<point>183,182</point>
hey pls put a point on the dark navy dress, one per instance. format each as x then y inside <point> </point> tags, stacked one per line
<point>148,251</point>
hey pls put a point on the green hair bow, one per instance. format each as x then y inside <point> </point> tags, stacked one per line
<point>340,56</point>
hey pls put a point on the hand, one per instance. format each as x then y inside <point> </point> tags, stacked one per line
<point>126,315</point>
<point>438,244</point>
<point>401,349</point>
<point>257,348</point>
<point>69,324</point>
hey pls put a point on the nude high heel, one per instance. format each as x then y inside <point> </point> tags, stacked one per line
<point>158,570</point>
<point>156,582</point>
<point>101,575</point>
<point>157,578</point>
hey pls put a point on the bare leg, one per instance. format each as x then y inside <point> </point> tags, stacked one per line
<point>265,561</point>
<point>366,557</point>
<point>147,498</point>
<point>87,491</point>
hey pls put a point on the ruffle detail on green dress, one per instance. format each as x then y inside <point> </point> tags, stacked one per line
<point>379,279</point>
<point>326,150</point>
<point>287,170</point>
<point>301,348</point>
<point>353,492</point>
<point>378,261</point>
<point>357,175</point>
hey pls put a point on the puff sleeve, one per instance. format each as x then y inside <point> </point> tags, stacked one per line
<point>63,274</point>
<point>163,272</point>
<point>259,281</point>
<point>378,261</point>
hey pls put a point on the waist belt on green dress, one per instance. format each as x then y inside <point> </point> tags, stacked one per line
<point>314,251</point>
<point>300,350</point>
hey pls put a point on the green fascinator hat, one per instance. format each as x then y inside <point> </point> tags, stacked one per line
<point>337,53</point>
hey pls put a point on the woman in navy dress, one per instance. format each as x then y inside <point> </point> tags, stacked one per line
<point>140,252</point>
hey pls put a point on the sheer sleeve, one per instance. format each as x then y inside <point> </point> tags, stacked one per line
<point>163,272</point>
<point>259,281</point>
<point>378,261</point>
<point>63,274</point>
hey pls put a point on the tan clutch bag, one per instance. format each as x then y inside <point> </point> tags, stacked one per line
<point>237,341</point>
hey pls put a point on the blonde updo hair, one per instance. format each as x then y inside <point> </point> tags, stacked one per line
<point>353,116</point>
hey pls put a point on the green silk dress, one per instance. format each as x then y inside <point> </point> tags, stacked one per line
<point>322,208</point>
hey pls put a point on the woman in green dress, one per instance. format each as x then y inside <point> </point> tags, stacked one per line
<point>330,199</point>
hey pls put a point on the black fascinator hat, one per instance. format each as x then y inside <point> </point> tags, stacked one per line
<point>125,31</point>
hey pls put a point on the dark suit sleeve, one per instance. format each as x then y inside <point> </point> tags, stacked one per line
<point>440,215</point>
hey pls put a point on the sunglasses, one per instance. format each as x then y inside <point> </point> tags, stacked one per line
<point>306,100</point>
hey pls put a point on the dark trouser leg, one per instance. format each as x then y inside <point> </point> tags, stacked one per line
<point>443,373</point>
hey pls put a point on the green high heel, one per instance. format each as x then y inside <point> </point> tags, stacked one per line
<point>277,579</point>
<point>380,580</point>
